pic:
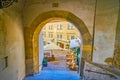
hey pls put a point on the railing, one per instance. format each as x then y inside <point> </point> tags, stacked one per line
<point>112,76</point>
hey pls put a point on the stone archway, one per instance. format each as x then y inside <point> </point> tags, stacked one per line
<point>32,34</point>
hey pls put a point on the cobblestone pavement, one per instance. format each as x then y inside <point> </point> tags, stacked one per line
<point>56,70</point>
<point>58,64</point>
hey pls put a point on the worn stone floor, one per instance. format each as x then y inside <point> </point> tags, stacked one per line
<point>56,70</point>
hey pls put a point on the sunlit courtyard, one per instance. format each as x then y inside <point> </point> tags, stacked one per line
<point>56,70</point>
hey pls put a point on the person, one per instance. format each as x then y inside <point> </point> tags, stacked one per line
<point>45,62</point>
<point>53,57</point>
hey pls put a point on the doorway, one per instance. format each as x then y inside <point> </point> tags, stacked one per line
<point>32,35</point>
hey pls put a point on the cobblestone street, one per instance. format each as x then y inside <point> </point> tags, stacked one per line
<point>56,70</point>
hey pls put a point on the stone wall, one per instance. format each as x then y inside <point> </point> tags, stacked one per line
<point>2,44</point>
<point>11,44</point>
<point>93,72</point>
<point>32,36</point>
<point>84,10</point>
<point>105,20</point>
<point>116,59</point>
<point>81,14</point>
<point>81,8</point>
<point>105,28</point>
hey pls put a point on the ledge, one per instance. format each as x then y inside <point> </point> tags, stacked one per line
<point>107,68</point>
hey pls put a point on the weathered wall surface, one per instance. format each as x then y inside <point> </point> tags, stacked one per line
<point>12,44</point>
<point>116,58</point>
<point>31,42</point>
<point>106,20</point>
<point>11,32</point>
<point>92,72</point>
<point>82,8</point>
<point>105,28</point>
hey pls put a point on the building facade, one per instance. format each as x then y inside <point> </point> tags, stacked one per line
<point>59,32</point>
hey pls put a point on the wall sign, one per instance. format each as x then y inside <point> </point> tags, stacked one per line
<point>6,3</point>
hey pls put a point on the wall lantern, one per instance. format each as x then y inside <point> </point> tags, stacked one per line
<point>6,3</point>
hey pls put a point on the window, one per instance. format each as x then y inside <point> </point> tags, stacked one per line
<point>50,27</point>
<point>50,35</point>
<point>67,37</point>
<point>59,36</point>
<point>70,26</point>
<point>44,34</point>
<point>72,37</point>
<point>44,28</point>
<point>59,26</point>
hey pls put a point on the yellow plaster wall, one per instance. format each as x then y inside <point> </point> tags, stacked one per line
<point>13,45</point>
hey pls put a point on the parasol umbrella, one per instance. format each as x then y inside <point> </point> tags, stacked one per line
<point>75,43</point>
<point>51,47</point>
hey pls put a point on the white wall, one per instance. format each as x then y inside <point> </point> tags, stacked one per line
<point>41,50</point>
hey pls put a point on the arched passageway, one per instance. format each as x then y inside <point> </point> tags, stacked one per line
<point>32,35</point>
